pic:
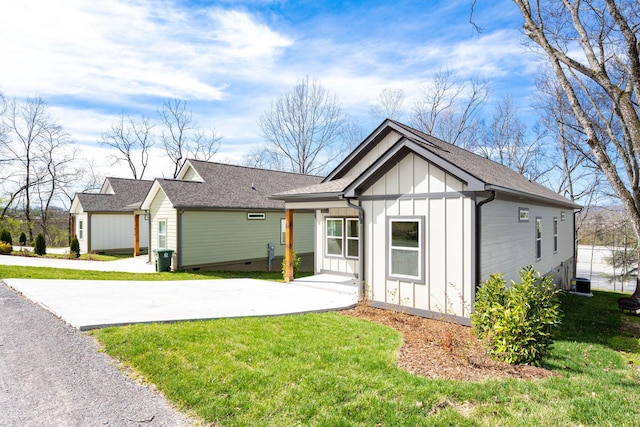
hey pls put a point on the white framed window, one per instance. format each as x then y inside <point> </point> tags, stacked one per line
<point>353,237</point>
<point>256,215</point>
<point>555,234</point>
<point>283,231</point>
<point>538,237</point>
<point>334,239</point>
<point>162,233</point>
<point>405,248</point>
<point>523,214</point>
<point>80,229</point>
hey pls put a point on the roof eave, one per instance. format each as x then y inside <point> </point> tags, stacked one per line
<point>530,196</point>
<point>311,197</point>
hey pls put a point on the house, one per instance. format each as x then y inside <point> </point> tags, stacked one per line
<point>422,222</point>
<point>219,216</point>
<point>110,221</point>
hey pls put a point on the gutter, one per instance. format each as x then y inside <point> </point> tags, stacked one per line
<point>479,234</point>
<point>360,209</point>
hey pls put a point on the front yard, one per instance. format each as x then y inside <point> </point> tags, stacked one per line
<point>336,369</point>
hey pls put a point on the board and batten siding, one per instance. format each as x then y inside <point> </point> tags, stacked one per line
<point>161,208</point>
<point>509,244</point>
<point>115,231</point>
<point>416,188</point>
<point>210,237</point>
<point>374,153</point>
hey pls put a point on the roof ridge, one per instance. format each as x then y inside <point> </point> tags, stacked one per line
<point>253,168</point>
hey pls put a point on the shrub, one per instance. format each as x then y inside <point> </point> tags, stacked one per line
<point>5,236</point>
<point>5,248</point>
<point>75,247</point>
<point>296,265</point>
<point>23,239</point>
<point>517,323</point>
<point>39,245</point>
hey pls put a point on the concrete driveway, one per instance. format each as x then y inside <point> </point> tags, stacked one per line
<point>87,304</point>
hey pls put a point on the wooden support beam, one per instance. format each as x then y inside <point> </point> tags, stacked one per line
<point>288,251</point>
<point>136,235</point>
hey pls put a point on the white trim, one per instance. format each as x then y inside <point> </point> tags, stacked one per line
<point>161,246</point>
<point>340,237</point>
<point>256,215</point>
<point>352,238</point>
<point>420,249</point>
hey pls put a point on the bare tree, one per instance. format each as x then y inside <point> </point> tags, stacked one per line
<point>578,175</point>
<point>508,141</point>
<point>304,127</point>
<point>181,137</point>
<point>448,108</point>
<point>592,47</point>
<point>389,105</point>
<point>132,139</point>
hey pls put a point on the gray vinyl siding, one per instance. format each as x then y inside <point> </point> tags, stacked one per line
<point>509,244</point>
<point>210,237</point>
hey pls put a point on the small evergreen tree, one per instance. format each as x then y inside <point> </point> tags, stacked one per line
<point>5,236</point>
<point>39,245</point>
<point>75,247</point>
<point>23,239</point>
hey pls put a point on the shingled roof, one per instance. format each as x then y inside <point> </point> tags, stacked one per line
<point>127,196</point>
<point>231,187</point>
<point>491,175</point>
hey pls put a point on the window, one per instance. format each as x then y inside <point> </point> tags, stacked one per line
<point>283,231</point>
<point>555,234</point>
<point>256,215</point>
<point>538,237</point>
<point>405,248</point>
<point>334,236</point>
<point>162,233</point>
<point>353,237</point>
<point>80,229</point>
<point>523,214</point>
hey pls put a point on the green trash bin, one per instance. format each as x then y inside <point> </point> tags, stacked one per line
<point>163,259</point>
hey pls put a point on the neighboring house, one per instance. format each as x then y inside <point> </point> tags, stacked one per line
<point>219,216</point>
<point>423,222</point>
<point>111,221</point>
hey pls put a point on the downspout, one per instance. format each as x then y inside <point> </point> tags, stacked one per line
<point>575,243</point>
<point>88,232</point>
<point>360,209</point>
<point>179,239</point>
<point>479,234</point>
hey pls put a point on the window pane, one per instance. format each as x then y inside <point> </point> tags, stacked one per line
<point>334,227</point>
<point>352,228</point>
<point>404,262</point>
<point>334,246</point>
<point>352,247</point>
<point>538,228</point>
<point>404,234</point>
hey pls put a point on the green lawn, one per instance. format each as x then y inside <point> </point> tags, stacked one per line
<point>333,370</point>
<point>15,272</point>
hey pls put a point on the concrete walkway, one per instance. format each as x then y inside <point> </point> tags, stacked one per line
<point>88,304</point>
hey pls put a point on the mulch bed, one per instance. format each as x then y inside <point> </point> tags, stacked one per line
<point>439,349</point>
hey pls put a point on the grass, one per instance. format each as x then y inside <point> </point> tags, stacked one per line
<point>20,272</point>
<point>333,370</point>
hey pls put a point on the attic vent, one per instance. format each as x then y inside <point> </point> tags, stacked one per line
<point>256,215</point>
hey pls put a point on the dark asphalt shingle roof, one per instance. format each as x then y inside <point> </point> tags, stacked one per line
<point>128,195</point>
<point>230,186</point>
<point>492,174</point>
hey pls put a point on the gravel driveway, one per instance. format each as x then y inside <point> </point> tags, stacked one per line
<point>52,375</point>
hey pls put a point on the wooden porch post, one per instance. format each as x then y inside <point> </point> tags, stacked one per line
<point>288,252</point>
<point>72,228</point>
<point>136,235</point>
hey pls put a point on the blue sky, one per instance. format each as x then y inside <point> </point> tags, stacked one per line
<point>230,59</point>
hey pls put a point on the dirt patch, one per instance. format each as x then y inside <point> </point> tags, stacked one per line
<point>439,349</point>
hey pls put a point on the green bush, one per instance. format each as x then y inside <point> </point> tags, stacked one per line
<point>75,247</point>
<point>5,236</point>
<point>296,265</point>
<point>23,239</point>
<point>517,323</point>
<point>39,245</point>
<point>5,248</point>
